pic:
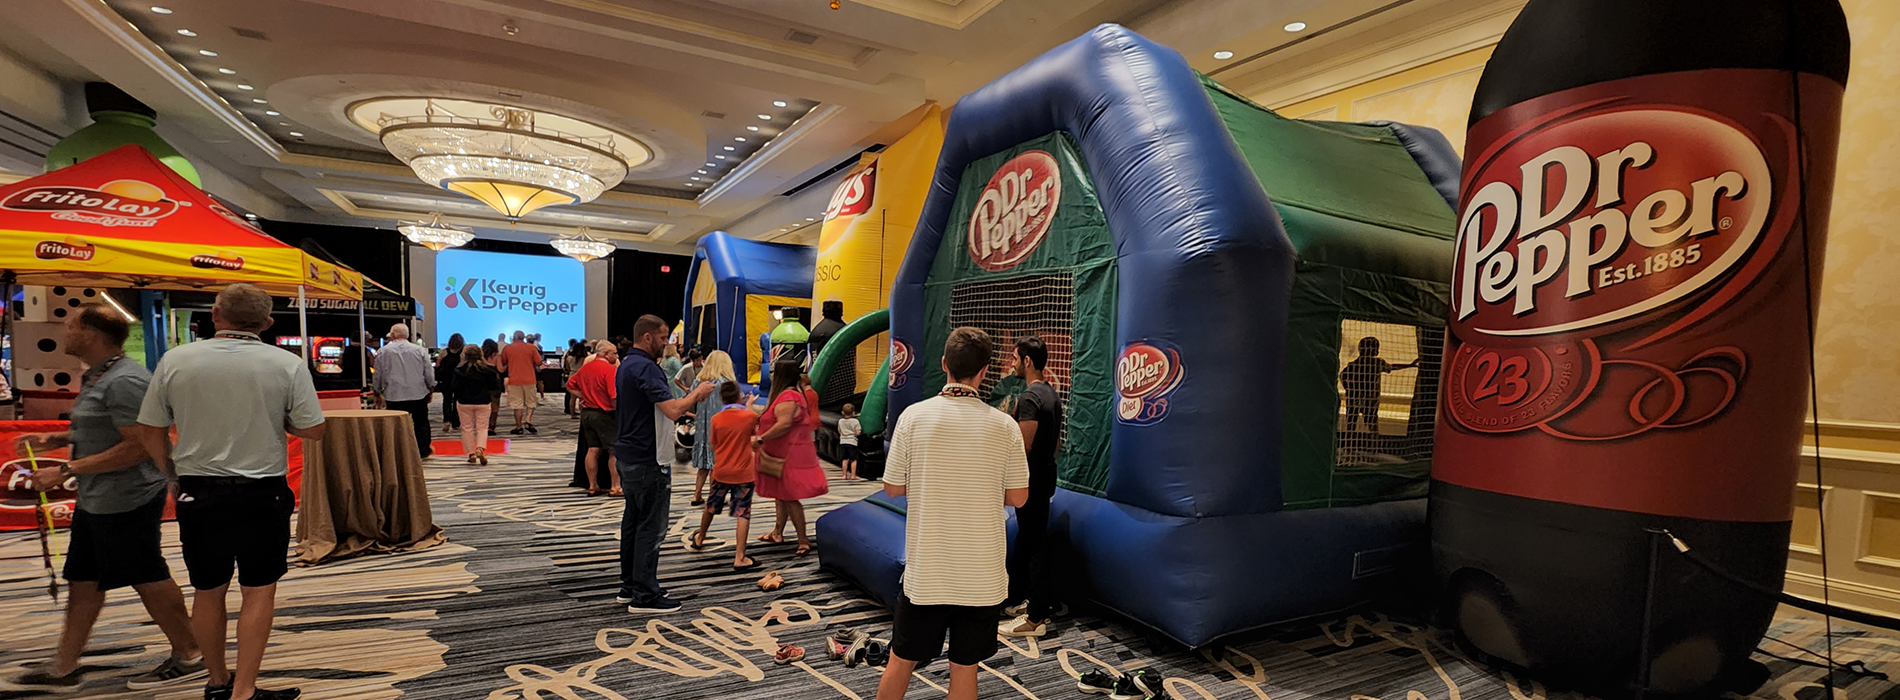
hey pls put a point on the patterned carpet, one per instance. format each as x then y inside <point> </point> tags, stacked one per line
<point>518,606</point>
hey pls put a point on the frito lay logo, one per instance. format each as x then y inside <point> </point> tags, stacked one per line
<point>901,361</point>
<point>222,260</point>
<point>116,203</point>
<point>1015,211</point>
<point>1579,226</point>
<point>69,248</point>
<point>1147,372</point>
<point>17,475</point>
<point>853,197</point>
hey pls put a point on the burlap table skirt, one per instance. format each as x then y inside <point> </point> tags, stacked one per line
<point>363,489</point>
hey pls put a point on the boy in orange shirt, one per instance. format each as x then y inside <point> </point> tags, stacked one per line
<point>733,472</point>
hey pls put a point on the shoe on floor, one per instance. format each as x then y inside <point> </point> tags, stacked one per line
<point>658,605</point>
<point>43,679</point>
<point>284,694</point>
<point>854,654</point>
<point>517,431</point>
<point>697,502</point>
<point>1149,683</point>
<point>1018,610</point>
<point>218,692</point>
<point>623,599</point>
<point>532,431</point>
<point>876,653</point>
<point>1022,626</point>
<point>1096,682</point>
<point>840,642</point>
<point>471,459</point>
<point>170,671</point>
<point>788,653</point>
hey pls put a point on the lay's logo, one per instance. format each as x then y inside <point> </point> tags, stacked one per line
<point>853,197</point>
<point>71,248</point>
<point>1146,374</point>
<point>116,203</point>
<point>222,260</point>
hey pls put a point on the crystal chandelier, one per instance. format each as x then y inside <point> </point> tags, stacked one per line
<point>582,245</point>
<point>512,159</point>
<point>434,233</point>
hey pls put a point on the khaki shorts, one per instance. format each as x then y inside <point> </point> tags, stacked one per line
<point>522,396</point>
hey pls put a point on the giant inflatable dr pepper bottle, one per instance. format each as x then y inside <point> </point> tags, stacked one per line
<point>1628,348</point>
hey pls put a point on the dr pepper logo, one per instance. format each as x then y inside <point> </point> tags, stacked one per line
<point>854,196</point>
<point>71,248</point>
<point>902,359</point>
<point>1015,210</point>
<point>1579,227</point>
<point>1147,372</point>
<point>116,203</point>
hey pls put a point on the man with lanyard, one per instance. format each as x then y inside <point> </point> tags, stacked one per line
<point>644,405</point>
<point>1039,414</point>
<point>405,378</point>
<point>232,398</point>
<point>115,531</point>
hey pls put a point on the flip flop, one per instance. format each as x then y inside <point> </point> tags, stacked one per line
<point>616,493</point>
<point>805,549</point>
<point>751,566</point>
<point>771,582</point>
<point>772,539</point>
<point>698,543</point>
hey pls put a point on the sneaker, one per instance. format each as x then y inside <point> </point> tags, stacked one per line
<point>1097,682</point>
<point>660,605</point>
<point>854,654</point>
<point>218,692</point>
<point>170,671</point>
<point>1022,626</point>
<point>787,654</point>
<point>1017,610</point>
<point>876,653</point>
<point>43,679</point>
<point>517,431</point>
<point>1125,689</point>
<point>623,599</point>
<point>532,431</point>
<point>285,694</point>
<point>1149,683</point>
<point>840,642</point>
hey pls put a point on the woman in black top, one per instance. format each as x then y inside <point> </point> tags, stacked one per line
<point>476,387</point>
<point>491,350</point>
<point>445,381</point>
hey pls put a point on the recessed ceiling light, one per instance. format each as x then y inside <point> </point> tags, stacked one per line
<point>712,165</point>
<point>778,103</point>
<point>740,139</point>
<point>729,148</point>
<point>1223,55</point>
<point>274,113</point>
<point>207,53</point>
<point>702,171</point>
<point>161,10</point>
<point>721,156</point>
<point>788,228</point>
<point>283,123</point>
<point>752,128</point>
<point>227,71</point>
<point>811,218</point>
<point>297,134</point>
<point>252,217</point>
<point>242,86</point>
<point>260,100</point>
<point>187,32</point>
<point>694,178</point>
<point>766,117</point>
<point>1295,26</point>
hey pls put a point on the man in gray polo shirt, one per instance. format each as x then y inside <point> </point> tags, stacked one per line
<point>405,376</point>
<point>232,398</point>
<point>115,531</point>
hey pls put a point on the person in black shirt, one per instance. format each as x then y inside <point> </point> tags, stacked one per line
<point>1039,413</point>
<point>445,381</point>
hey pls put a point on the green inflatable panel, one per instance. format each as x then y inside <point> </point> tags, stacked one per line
<point>876,399</point>
<point>845,340</point>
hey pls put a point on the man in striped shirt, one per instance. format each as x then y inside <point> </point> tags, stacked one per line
<point>960,462</point>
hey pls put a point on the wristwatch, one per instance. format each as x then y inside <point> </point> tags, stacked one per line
<point>66,470</point>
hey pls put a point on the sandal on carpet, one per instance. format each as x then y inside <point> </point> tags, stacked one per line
<point>751,564</point>
<point>787,654</point>
<point>771,582</point>
<point>697,502</point>
<point>596,491</point>
<point>471,459</point>
<point>616,493</point>
<point>698,542</point>
<point>481,458</point>
<point>805,549</point>
<point>772,539</point>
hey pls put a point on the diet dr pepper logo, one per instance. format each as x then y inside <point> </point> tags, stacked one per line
<point>901,361</point>
<point>1015,211</point>
<point>1146,374</point>
<point>854,196</point>
<point>115,203</point>
<point>490,293</point>
<point>1593,225</point>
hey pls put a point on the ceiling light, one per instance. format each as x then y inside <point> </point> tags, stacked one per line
<point>729,148</point>
<point>766,117</point>
<point>161,10</point>
<point>252,217</point>
<point>260,100</point>
<point>811,218</point>
<point>740,139</point>
<point>283,123</point>
<point>752,128</point>
<point>272,112</point>
<point>695,177</point>
<point>434,234</point>
<point>721,156</point>
<point>778,103</point>
<point>187,32</point>
<point>242,86</point>
<point>582,245</point>
<point>227,71</point>
<point>297,134</point>
<point>513,159</point>
<point>208,53</point>
<point>1295,26</point>
<point>702,171</point>
<point>712,165</point>
<point>1223,55</point>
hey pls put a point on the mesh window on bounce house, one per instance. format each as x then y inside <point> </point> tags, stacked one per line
<point>483,295</point>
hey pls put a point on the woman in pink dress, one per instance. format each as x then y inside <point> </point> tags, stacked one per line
<point>785,432</point>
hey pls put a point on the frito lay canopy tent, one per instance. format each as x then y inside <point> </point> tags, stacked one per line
<point>125,219</point>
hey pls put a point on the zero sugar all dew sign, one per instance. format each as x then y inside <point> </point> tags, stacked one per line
<point>485,295</point>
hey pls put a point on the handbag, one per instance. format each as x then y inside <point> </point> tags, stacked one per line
<point>771,466</point>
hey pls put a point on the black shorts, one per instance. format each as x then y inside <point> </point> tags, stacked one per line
<point>918,630</point>
<point>116,550</point>
<point>598,430</point>
<point>848,452</point>
<point>226,522</point>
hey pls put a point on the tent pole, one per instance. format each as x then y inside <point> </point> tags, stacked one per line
<point>362,350</point>
<point>303,325</point>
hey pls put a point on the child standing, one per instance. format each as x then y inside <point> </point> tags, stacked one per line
<point>733,472</point>
<point>848,431</point>
<point>1362,379</point>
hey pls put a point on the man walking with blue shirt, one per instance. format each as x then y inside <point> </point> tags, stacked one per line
<point>115,531</point>
<point>643,404</point>
<point>232,398</point>
<point>405,377</point>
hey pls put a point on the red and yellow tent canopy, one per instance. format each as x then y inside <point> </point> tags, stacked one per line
<point>123,217</point>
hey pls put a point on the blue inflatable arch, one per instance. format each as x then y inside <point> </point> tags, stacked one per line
<point>746,277</point>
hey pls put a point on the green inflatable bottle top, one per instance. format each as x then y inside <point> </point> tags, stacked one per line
<point>117,120</point>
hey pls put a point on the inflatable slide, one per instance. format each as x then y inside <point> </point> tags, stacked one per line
<point>735,285</point>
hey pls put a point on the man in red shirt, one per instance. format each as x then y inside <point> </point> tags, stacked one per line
<point>594,383</point>
<point>521,363</point>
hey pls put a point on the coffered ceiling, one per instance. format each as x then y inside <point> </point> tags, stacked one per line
<point>743,104</point>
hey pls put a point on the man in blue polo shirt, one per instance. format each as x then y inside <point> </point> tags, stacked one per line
<point>643,406</point>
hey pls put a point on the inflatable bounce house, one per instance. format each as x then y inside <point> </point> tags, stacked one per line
<point>1244,315</point>
<point>741,289</point>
